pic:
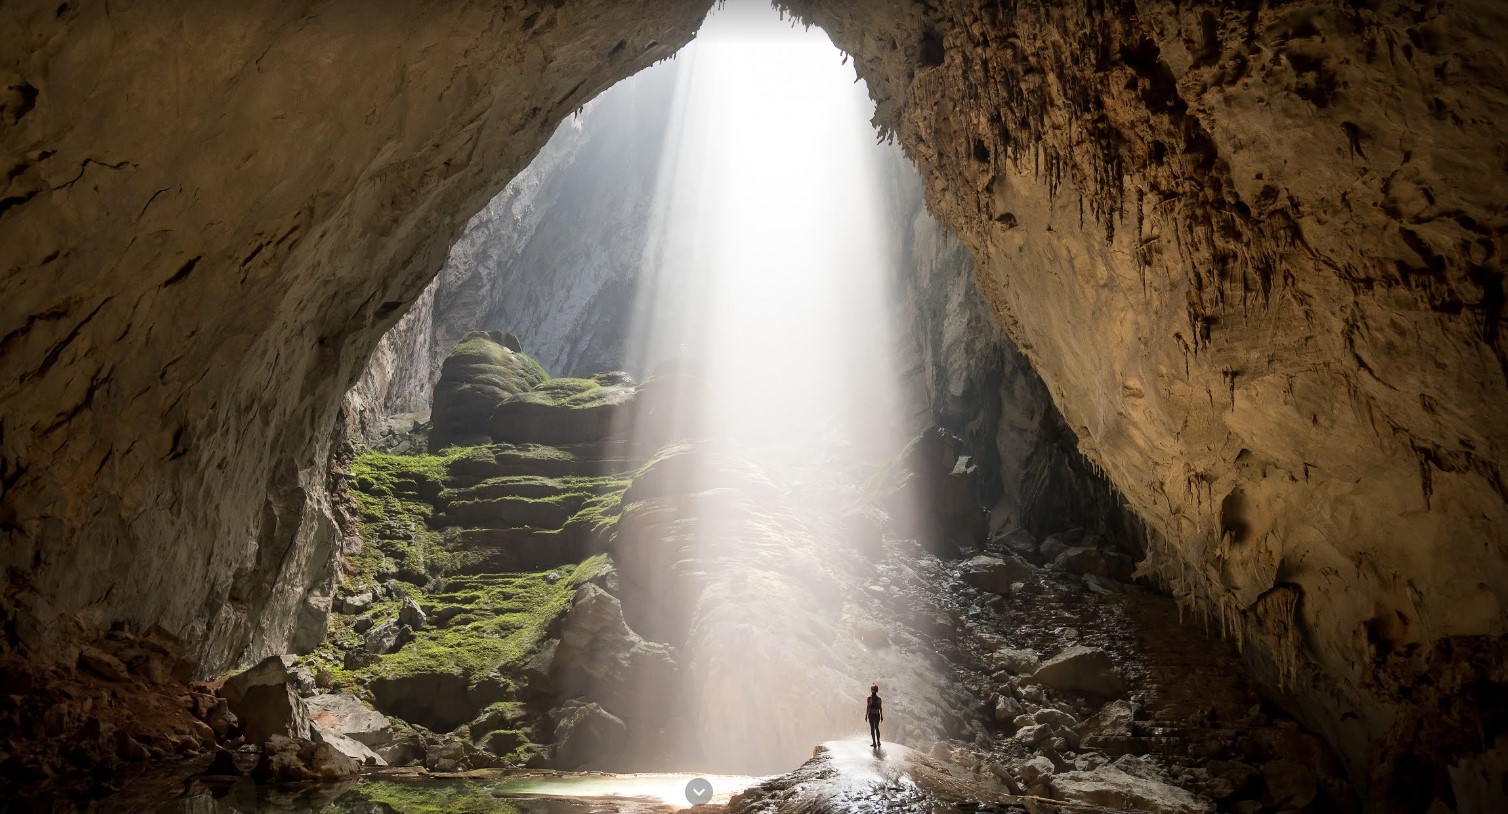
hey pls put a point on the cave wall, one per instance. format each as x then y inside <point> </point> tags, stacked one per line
<point>211,215</point>
<point>972,380</point>
<point>553,258</point>
<point>1254,252</point>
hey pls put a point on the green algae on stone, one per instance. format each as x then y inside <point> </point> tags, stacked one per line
<point>479,372</point>
<point>395,495</point>
<point>429,796</point>
<point>502,621</point>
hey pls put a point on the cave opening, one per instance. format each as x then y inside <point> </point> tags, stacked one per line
<point>695,285</point>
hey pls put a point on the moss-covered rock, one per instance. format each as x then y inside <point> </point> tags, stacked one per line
<point>423,796</point>
<point>479,372</point>
<point>564,411</point>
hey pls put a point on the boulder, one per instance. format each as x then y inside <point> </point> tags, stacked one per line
<point>457,756</point>
<point>1034,734</point>
<point>995,574</point>
<point>584,733</point>
<point>478,374</point>
<point>1112,721</point>
<point>286,760</point>
<point>1097,561</point>
<point>1019,662</point>
<point>442,617</point>
<point>345,714</point>
<point>387,637</point>
<point>600,655</point>
<point>1110,787</point>
<point>502,742</point>
<point>1037,768</point>
<point>405,750</point>
<point>550,418</point>
<point>350,748</point>
<point>301,677</point>
<point>1081,669</point>
<point>1006,710</point>
<point>1056,544</point>
<point>103,664</point>
<point>356,603</point>
<point>221,720</point>
<point>537,670</point>
<point>411,615</point>
<point>266,702</point>
<point>1055,718</point>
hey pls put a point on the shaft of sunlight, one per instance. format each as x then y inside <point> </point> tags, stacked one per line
<point>768,235</point>
<point>769,269</point>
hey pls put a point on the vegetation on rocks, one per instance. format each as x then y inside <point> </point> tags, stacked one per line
<point>480,371</point>
<point>428,797</point>
<point>470,557</point>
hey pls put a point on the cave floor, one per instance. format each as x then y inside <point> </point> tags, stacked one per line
<point>1194,720</point>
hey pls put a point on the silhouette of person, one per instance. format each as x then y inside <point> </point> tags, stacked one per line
<point>874,712</point>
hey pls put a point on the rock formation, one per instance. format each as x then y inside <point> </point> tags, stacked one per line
<point>554,256</point>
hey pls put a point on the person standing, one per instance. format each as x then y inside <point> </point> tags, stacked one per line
<point>874,712</point>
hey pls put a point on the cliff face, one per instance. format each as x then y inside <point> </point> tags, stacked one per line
<point>203,244</point>
<point>553,257</point>
<point>1255,257</point>
<point>976,383</point>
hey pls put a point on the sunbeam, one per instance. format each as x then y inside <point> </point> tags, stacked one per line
<point>771,274</point>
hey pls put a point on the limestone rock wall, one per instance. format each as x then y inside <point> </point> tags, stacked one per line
<point>553,257</point>
<point>210,217</point>
<point>1255,255</point>
<point>977,384</point>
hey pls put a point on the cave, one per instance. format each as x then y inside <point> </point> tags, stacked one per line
<point>1204,303</point>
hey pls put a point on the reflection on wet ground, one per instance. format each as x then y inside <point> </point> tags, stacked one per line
<point>402,792</point>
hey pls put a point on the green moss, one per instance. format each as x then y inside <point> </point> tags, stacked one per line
<point>395,495</point>
<point>535,486</point>
<point>428,797</point>
<point>506,616</point>
<point>573,392</point>
<point>532,452</point>
<point>600,512</point>
<point>591,568</point>
<point>477,374</point>
<point>478,360</point>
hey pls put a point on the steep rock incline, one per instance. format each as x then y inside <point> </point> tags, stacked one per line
<point>1255,257</point>
<point>202,245</point>
<point>977,384</point>
<point>555,256</point>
